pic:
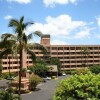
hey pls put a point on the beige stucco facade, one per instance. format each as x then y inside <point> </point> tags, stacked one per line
<point>71,56</point>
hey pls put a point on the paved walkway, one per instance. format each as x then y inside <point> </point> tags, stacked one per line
<point>3,83</point>
<point>46,91</point>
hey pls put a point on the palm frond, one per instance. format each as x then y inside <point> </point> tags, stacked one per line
<point>32,54</point>
<point>7,44</point>
<point>5,52</point>
<point>5,36</point>
<point>13,23</point>
<point>29,37</point>
<point>40,47</point>
<point>38,33</point>
<point>21,19</point>
<point>25,38</point>
<point>27,24</point>
<point>2,44</point>
<point>15,49</point>
<point>30,46</point>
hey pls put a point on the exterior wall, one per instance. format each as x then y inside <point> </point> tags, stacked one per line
<point>71,56</point>
<point>14,64</point>
<point>45,40</point>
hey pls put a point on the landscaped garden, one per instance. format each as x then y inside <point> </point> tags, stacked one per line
<point>83,84</point>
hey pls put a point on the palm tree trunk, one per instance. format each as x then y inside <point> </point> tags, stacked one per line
<point>20,70</point>
<point>9,66</point>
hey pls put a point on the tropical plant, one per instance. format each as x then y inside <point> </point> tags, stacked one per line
<point>79,87</point>
<point>85,53</point>
<point>23,73</point>
<point>8,95</point>
<point>95,69</point>
<point>6,74</point>
<point>6,46</point>
<point>56,61</point>
<point>24,70</point>
<point>80,71</point>
<point>34,81</point>
<point>40,68</point>
<point>22,39</point>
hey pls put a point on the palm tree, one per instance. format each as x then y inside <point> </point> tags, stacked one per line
<point>6,46</point>
<point>19,27</point>
<point>85,52</point>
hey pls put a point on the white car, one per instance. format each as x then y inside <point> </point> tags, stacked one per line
<point>48,78</point>
<point>63,74</point>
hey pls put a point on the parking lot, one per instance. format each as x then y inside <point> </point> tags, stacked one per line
<point>46,91</point>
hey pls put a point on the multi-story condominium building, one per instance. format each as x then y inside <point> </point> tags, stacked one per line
<point>70,56</point>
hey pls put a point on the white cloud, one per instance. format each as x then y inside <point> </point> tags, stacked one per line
<point>8,17</point>
<point>82,34</point>
<point>52,3</point>
<point>98,20</point>
<point>57,26</point>
<point>20,1</point>
<point>61,28</point>
<point>57,42</point>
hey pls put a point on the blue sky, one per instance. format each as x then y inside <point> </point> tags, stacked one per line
<point>67,21</point>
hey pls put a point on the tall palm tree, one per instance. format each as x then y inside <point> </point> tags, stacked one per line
<point>19,27</point>
<point>6,46</point>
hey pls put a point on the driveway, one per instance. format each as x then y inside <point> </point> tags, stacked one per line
<point>46,91</point>
<point>3,83</point>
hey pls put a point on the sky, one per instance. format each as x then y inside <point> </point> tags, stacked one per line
<point>69,22</point>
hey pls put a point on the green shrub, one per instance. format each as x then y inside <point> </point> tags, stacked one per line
<point>0,78</point>
<point>79,87</point>
<point>71,72</point>
<point>81,71</point>
<point>39,69</point>
<point>5,95</point>
<point>24,70</point>
<point>67,71</point>
<point>34,81</point>
<point>6,75</point>
<point>95,69</point>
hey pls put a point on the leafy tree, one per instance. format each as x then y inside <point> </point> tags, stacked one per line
<point>79,87</point>
<point>95,69</point>
<point>40,68</point>
<point>22,39</point>
<point>6,46</point>
<point>80,71</point>
<point>56,61</point>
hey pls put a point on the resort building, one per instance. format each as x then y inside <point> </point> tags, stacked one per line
<point>70,56</point>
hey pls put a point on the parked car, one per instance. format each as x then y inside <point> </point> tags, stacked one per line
<point>48,78</point>
<point>63,74</point>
